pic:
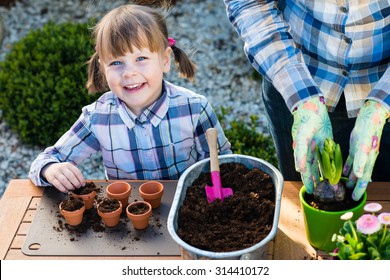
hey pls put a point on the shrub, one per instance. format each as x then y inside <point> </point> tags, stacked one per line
<point>42,82</point>
<point>246,140</point>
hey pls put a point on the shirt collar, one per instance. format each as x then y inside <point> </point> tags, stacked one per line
<point>153,114</point>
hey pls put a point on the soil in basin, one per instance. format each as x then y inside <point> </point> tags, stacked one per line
<point>239,221</point>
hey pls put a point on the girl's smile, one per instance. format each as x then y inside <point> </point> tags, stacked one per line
<point>134,88</point>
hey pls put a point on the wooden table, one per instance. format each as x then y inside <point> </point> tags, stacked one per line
<point>21,199</point>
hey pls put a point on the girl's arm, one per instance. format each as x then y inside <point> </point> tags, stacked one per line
<point>73,147</point>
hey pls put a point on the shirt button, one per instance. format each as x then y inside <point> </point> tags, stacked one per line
<point>347,40</point>
<point>344,9</point>
<point>155,174</point>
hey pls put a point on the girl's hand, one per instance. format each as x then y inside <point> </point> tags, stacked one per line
<point>64,176</point>
<point>364,146</point>
<point>310,129</point>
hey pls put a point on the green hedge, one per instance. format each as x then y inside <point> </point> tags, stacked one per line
<point>245,138</point>
<point>42,82</point>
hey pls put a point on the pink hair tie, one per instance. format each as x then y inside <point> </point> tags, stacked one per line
<point>171,41</point>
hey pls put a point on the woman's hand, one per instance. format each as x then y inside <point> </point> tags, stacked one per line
<point>310,129</point>
<point>364,146</point>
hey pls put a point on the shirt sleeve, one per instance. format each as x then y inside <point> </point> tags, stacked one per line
<point>271,49</point>
<point>74,146</point>
<point>381,92</point>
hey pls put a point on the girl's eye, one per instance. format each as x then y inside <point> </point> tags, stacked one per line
<point>141,58</point>
<point>115,63</point>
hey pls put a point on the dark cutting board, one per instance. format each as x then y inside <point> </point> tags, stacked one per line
<point>48,235</point>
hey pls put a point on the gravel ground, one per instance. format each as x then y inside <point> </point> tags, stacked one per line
<point>224,75</point>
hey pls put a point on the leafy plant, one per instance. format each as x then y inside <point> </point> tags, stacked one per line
<point>330,161</point>
<point>42,82</point>
<point>366,239</point>
<point>245,138</point>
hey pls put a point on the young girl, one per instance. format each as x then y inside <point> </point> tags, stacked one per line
<point>145,127</point>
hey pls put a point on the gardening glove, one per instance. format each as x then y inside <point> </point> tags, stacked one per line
<point>364,146</point>
<point>310,129</point>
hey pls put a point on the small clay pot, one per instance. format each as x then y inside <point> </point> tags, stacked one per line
<point>72,209</point>
<point>108,212</point>
<point>152,192</point>
<point>139,213</point>
<point>119,190</point>
<point>89,198</point>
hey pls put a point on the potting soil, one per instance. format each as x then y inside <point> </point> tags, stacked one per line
<point>239,221</point>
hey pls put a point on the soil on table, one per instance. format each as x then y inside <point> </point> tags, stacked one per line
<point>346,204</point>
<point>239,221</point>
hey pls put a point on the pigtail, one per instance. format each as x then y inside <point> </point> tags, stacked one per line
<point>187,68</point>
<point>96,81</point>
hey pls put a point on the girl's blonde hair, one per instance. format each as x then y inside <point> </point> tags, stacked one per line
<point>127,27</point>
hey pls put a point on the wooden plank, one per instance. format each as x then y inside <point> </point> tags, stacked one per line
<point>290,241</point>
<point>15,200</point>
<point>323,256</point>
<point>34,203</point>
<point>22,188</point>
<point>12,211</point>
<point>13,205</point>
<point>17,242</point>
<point>23,228</point>
<point>29,216</point>
<point>378,191</point>
<point>270,250</point>
<point>385,205</point>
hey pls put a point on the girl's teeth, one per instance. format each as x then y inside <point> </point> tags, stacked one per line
<point>134,86</point>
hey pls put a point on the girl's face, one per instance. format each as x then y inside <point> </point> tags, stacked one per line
<point>136,78</point>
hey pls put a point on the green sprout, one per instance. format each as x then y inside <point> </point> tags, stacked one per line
<point>331,161</point>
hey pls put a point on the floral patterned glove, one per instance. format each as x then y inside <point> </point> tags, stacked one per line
<point>364,146</point>
<point>310,129</point>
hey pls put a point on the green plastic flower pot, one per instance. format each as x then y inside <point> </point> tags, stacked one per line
<point>320,225</point>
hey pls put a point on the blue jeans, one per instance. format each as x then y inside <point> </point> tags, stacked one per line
<point>280,121</point>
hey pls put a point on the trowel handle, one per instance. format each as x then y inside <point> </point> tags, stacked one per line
<point>212,138</point>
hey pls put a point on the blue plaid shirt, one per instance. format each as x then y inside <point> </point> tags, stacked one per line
<point>167,138</point>
<point>318,47</point>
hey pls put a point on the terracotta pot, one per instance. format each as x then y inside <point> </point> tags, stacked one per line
<point>88,198</point>
<point>139,221</point>
<point>110,219</point>
<point>73,218</point>
<point>320,225</point>
<point>119,190</point>
<point>151,192</point>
